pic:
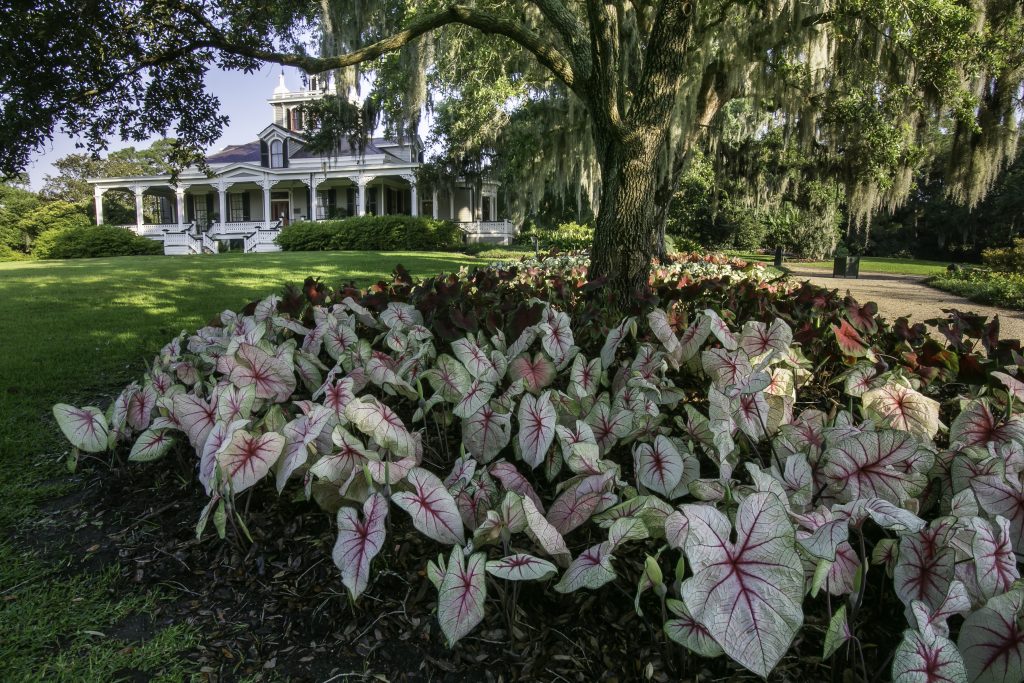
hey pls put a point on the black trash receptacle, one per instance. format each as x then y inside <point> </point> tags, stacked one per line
<point>778,257</point>
<point>846,266</point>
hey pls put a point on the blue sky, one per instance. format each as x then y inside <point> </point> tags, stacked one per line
<point>243,97</point>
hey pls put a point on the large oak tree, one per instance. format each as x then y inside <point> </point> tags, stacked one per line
<point>637,83</point>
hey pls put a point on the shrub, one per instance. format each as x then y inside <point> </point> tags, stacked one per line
<point>94,241</point>
<point>372,233</point>
<point>986,287</point>
<point>736,454</point>
<point>566,237</point>
<point>1007,259</point>
<point>8,254</point>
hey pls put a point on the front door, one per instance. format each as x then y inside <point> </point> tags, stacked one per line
<point>279,209</point>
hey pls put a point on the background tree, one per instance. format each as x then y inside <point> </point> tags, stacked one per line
<point>16,200</point>
<point>863,81</point>
<point>70,183</point>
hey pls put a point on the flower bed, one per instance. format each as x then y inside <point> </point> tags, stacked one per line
<point>746,456</point>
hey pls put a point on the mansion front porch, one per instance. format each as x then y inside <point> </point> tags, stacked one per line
<point>246,209</point>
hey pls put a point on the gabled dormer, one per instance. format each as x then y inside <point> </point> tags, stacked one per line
<point>277,145</point>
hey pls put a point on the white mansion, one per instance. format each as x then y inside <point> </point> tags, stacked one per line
<point>260,187</point>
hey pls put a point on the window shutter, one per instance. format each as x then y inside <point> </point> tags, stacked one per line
<point>310,209</point>
<point>209,207</point>
<point>284,154</point>
<point>350,201</point>
<point>245,205</point>
<point>264,154</point>
<point>332,201</point>
<point>190,208</point>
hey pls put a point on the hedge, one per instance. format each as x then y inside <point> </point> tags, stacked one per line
<point>371,233</point>
<point>94,241</point>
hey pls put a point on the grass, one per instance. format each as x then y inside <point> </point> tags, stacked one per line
<point>76,332</point>
<point>868,264</point>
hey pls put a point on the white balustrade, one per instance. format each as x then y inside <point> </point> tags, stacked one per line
<point>500,232</point>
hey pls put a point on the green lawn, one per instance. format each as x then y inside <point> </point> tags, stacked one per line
<point>868,264</point>
<point>76,332</point>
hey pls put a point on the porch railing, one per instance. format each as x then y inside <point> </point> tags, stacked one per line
<point>240,228</point>
<point>262,236</point>
<point>500,232</point>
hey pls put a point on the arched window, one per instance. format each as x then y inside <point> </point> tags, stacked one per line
<point>276,155</point>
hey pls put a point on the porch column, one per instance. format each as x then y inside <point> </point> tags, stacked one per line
<point>139,218</point>
<point>222,203</point>
<point>179,195</point>
<point>494,207</point>
<point>434,205</point>
<point>451,203</point>
<point>413,196</point>
<point>266,183</point>
<point>361,199</point>
<point>98,194</point>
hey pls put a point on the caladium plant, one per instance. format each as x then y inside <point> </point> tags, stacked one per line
<point>532,439</point>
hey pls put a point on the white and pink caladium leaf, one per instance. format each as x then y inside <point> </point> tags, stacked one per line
<point>486,433</point>
<point>543,534</point>
<point>478,394</point>
<point>273,377</point>
<point>247,458</point>
<point>85,428</point>
<point>350,457</point>
<point>721,330</point>
<point>432,508</point>
<point>614,339</point>
<point>591,569</point>
<point>659,465</point>
<point>1003,495</point>
<point>359,541</point>
<point>573,508</point>
<point>461,596</point>
<point>537,419</point>
<point>925,567</point>
<point>218,439</point>
<point>302,434</point>
<point>450,378</point>
<point>338,339</point>
<point>838,632</point>
<point>1014,387</point>
<point>658,321</point>
<point>521,567</point>
<point>747,594</point>
<point>690,633</point>
<point>377,420</point>
<point>932,622</point>
<point>693,338</point>
<point>152,444</point>
<point>536,373</point>
<point>475,360</point>
<point>758,338</point>
<point>922,659</point>
<point>196,417</point>
<point>337,395</point>
<point>861,378</point>
<point>514,481</point>
<point>140,407</point>
<point>903,408</point>
<point>585,376</point>
<point>400,316</point>
<point>977,426</point>
<point>992,640</point>
<point>235,403</point>
<point>608,424</point>
<point>888,464</point>
<point>556,336</point>
<point>994,562</point>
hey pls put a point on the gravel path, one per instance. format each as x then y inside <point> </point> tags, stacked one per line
<point>907,295</point>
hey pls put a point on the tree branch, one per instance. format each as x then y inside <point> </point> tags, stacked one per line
<point>486,22</point>
<point>570,29</point>
<point>605,76</point>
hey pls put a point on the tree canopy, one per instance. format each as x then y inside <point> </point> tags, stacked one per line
<point>608,96</point>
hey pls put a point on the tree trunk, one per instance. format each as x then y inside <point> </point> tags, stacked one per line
<point>625,238</point>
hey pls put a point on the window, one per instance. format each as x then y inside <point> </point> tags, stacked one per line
<point>487,208</point>
<point>321,205</point>
<point>237,209</point>
<point>276,155</point>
